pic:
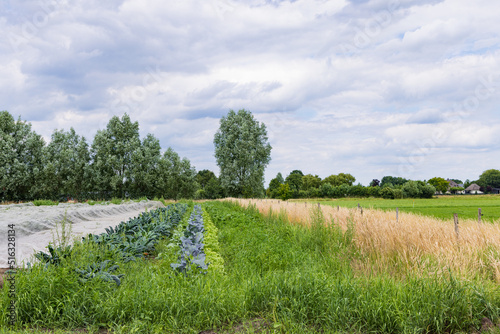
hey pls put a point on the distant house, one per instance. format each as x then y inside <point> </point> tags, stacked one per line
<point>473,189</point>
<point>495,191</point>
<point>453,184</point>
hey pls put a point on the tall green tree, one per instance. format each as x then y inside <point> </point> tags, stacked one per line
<point>392,180</point>
<point>295,182</point>
<point>177,176</point>
<point>144,172</point>
<point>310,181</point>
<point>340,179</point>
<point>490,177</point>
<point>204,176</point>
<point>439,183</point>
<point>66,159</point>
<point>274,186</point>
<point>242,152</point>
<point>21,159</point>
<point>111,153</point>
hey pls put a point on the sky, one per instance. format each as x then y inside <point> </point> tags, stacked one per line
<point>367,87</point>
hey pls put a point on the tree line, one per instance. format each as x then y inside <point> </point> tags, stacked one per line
<point>298,185</point>
<point>118,163</point>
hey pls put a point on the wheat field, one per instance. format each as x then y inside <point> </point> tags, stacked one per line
<point>411,245</point>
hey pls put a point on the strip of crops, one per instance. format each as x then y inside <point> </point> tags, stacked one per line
<point>191,244</point>
<point>135,238</point>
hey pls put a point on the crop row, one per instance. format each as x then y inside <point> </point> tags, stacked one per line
<point>191,244</point>
<point>127,241</point>
<point>138,236</point>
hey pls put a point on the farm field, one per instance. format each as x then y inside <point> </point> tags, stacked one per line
<point>442,207</point>
<point>262,266</point>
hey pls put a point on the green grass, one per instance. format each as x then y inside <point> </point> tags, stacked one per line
<point>277,278</point>
<point>40,202</point>
<point>442,207</point>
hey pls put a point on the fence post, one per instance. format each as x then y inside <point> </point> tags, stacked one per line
<point>397,215</point>
<point>319,207</point>
<point>455,218</point>
<point>338,208</point>
<point>479,214</point>
<point>361,211</point>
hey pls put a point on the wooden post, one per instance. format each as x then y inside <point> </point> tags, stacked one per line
<point>455,218</point>
<point>358,206</point>
<point>338,208</point>
<point>397,214</point>
<point>319,207</point>
<point>479,214</point>
<point>361,211</point>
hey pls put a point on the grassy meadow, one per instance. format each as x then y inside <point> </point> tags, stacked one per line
<point>280,267</point>
<point>443,207</point>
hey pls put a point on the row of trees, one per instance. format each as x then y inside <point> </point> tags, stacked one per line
<point>117,164</point>
<point>298,185</point>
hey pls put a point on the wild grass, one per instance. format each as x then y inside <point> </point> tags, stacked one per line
<point>40,202</point>
<point>413,245</point>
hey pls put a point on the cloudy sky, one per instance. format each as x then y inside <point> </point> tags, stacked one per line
<point>368,87</point>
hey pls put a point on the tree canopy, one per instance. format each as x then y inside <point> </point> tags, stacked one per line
<point>242,152</point>
<point>439,183</point>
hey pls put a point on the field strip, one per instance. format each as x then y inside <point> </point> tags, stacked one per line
<point>414,242</point>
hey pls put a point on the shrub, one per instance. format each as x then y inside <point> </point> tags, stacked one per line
<point>387,193</point>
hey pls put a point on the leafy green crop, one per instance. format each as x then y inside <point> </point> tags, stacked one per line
<point>191,244</point>
<point>138,236</point>
<point>55,255</point>
<point>98,270</point>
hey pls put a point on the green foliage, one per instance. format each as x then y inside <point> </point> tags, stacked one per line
<point>411,189</point>
<point>310,181</point>
<point>204,176</point>
<point>340,179</point>
<point>395,181</point>
<point>274,186</point>
<point>177,178</point>
<point>439,183</point>
<point>21,160</point>
<point>66,160</point>
<point>112,156</point>
<point>284,191</point>
<point>100,270</point>
<point>40,202</point>
<point>54,256</point>
<point>490,177</point>
<point>212,247</point>
<point>116,201</point>
<point>297,171</point>
<point>242,152</point>
<point>294,181</point>
<point>209,185</point>
<point>455,190</point>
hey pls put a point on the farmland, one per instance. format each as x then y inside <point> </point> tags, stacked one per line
<point>267,266</point>
<point>443,207</point>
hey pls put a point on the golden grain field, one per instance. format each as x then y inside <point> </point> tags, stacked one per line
<point>412,245</point>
